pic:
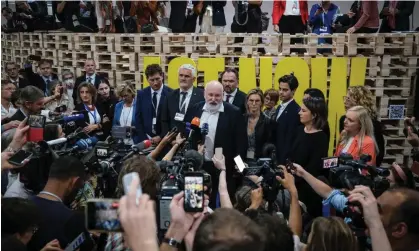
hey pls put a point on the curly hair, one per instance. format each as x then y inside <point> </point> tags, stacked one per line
<point>362,96</point>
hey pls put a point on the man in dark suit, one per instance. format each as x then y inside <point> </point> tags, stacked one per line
<point>226,129</point>
<point>149,105</point>
<point>286,117</point>
<point>12,70</point>
<point>396,18</point>
<point>90,76</point>
<point>44,79</point>
<point>180,100</point>
<point>232,94</point>
<point>183,16</point>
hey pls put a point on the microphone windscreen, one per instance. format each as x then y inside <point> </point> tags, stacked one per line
<point>196,122</point>
<point>147,143</point>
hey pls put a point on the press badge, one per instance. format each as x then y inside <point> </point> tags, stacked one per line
<point>179,117</point>
<point>154,121</point>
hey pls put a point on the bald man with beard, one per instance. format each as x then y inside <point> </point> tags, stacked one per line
<point>226,129</point>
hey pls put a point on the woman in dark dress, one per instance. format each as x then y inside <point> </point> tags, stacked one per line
<point>310,146</point>
<point>361,96</point>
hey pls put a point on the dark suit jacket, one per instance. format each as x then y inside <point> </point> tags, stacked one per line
<point>171,107</point>
<point>106,126</point>
<point>402,18</point>
<point>23,83</point>
<point>240,101</point>
<point>19,116</point>
<point>285,130</point>
<point>144,112</point>
<point>36,79</point>
<point>263,131</point>
<point>230,135</point>
<point>378,135</point>
<point>218,16</point>
<point>82,79</point>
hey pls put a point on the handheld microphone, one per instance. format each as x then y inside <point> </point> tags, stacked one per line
<point>70,118</point>
<point>138,148</point>
<point>194,130</point>
<point>84,144</point>
<point>204,132</point>
<point>56,141</point>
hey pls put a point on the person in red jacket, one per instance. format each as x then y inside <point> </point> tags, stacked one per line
<point>290,16</point>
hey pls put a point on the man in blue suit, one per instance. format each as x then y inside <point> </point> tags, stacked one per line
<point>150,101</point>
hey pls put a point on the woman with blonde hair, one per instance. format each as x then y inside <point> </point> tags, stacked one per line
<point>331,234</point>
<point>357,138</point>
<point>125,112</point>
<point>362,96</point>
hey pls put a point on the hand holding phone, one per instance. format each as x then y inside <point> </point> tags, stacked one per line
<point>194,199</point>
<point>239,163</point>
<point>127,181</point>
<point>18,159</point>
<point>102,215</point>
<point>36,128</point>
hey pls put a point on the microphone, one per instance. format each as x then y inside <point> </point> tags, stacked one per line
<point>69,118</point>
<point>194,160</point>
<point>204,132</point>
<point>84,144</point>
<point>195,123</point>
<point>56,141</point>
<point>137,148</point>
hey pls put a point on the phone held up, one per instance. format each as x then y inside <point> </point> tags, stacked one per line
<point>36,128</point>
<point>194,192</point>
<point>18,158</point>
<point>102,215</point>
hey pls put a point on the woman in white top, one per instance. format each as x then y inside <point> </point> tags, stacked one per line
<point>62,102</point>
<point>125,112</point>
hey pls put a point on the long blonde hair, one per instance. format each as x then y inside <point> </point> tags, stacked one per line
<point>366,128</point>
<point>331,234</point>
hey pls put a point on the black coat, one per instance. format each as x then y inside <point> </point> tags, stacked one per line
<point>263,133</point>
<point>82,79</point>
<point>240,101</point>
<point>178,21</point>
<point>378,135</point>
<point>218,16</point>
<point>23,83</point>
<point>171,107</point>
<point>36,79</point>
<point>402,18</point>
<point>230,135</point>
<point>285,130</point>
<point>106,126</point>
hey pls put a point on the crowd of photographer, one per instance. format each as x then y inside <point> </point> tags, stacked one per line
<point>172,162</point>
<point>149,16</point>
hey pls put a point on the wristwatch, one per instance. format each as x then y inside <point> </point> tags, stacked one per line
<point>171,242</point>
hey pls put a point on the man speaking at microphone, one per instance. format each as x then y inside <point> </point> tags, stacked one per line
<point>226,129</point>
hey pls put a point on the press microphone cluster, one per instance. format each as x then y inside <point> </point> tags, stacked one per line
<point>138,148</point>
<point>69,118</point>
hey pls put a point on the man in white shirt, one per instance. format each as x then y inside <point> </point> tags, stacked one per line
<point>232,94</point>
<point>90,76</point>
<point>226,130</point>
<point>7,109</point>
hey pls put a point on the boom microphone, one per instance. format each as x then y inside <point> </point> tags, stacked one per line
<point>70,118</point>
<point>137,148</point>
<point>84,144</point>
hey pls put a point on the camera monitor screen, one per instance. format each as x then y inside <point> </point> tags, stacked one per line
<point>102,215</point>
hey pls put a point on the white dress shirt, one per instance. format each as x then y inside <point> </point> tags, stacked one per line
<point>282,108</point>
<point>8,113</point>
<point>188,98</point>
<point>92,78</point>
<point>92,120</point>
<point>292,8</point>
<point>212,119</point>
<point>233,95</point>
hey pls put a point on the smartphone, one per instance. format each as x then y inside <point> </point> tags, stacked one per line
<point>127,180</point>
<point>194,192</point>
<point>289,165</point>
<point>102,215</point>
<point>34,58</point>
<point>330,162</point>
<point>36,128</point>
<point>219,153</point>
<point>18,158</point>
<point>239,162</point>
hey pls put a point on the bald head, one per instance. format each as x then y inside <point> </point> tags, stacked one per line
<point>90,66</point>
<point>214,93</point>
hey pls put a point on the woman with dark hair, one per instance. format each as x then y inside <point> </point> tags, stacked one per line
<point>259,127</point>
<point>106,98</point>
<point>95,120</point>
<point>316,93</point>
<point>310,146</point>
<point>271,97</point>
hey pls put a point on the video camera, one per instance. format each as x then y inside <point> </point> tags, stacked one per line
<point>173,181</point>
<point>349,173</point>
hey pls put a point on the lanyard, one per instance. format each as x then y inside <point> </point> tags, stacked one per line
<point>155,108</point>
<point>93,114</point>
<point>52,195</point>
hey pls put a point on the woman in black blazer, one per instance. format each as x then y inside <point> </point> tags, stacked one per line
<point>96,122</point>
<point>218,16</point>
<point>259,127</point>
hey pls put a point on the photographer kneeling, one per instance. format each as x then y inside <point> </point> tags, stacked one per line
<point>399,211</point>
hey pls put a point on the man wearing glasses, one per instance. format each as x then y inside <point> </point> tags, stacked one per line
<point>12,71</point>
<point>149,105</point>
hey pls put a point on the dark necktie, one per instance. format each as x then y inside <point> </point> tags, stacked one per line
<point>47,86</point>
<point>154,104</point>
<point>182,102</point>
<point>228,98</point>
<point>89,80</point>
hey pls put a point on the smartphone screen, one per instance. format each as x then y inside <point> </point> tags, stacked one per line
<point>127,180</point>
<point>36,128</point>
<point>239,162</point>
<point>330,162</point>
<point>102,215</point>
<point>194,192</point>
<point>18,158</point>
